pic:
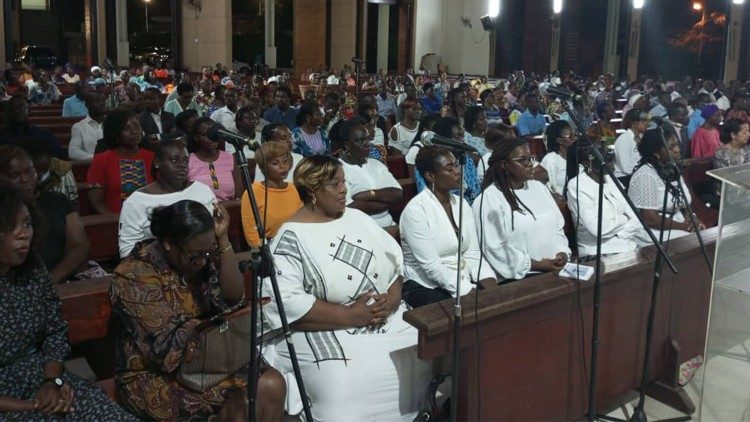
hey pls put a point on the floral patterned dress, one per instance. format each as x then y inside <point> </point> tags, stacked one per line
<point>32,333</point>
<point>158,310</point>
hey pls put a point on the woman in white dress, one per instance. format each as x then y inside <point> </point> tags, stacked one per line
<point>340,278</point>
<point>170,168</point>
<point>429,229</point>
<point>651,177</point>
<point>621,231</point>
<point>559,137</point>
<point>519,224</point>
<point>404,132</point>
<point>371,188</point>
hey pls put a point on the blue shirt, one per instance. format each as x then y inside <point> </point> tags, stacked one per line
<point>530,125</point>
<point>431,106</point>
<point>74,107</point>
<point>386,107</point>
<point>275,115</point>
<point>696,121</point>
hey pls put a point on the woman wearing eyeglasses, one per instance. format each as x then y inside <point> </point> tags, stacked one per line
<point>520,226</point>
<point>172,184</point>
<point>210,165</point>
<point>122,167</point>
<point>160,295</point>
<point>559,137</point>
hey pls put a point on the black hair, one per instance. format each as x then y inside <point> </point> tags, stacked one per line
<point>553,133</point>
<point>306,110</point>
<point>331,96</point>
<point>633,115</point>
<point>451,100</point>
<point>285,89</point>
<point>346,129</point>
<point>471,116</point>
<point>486,93</point>
<point>728,128</point>
<point>184,87</point>
<point>153,90</point>
<point>444,126</point>
<point>650,144</point>
<point>192,143</point>
<point>497,175</point>
<point>426,87</point>
<point>267,132</point>
<point>365,106</point>
<point>12,200</point>
<point>160,151</point>
<point>578,153</point>
<point>426,123</point>
<point>113,124</point>
<point>427,158</point>
<point>180,222</point>
<point>183,117</point>
<point>674,107</point>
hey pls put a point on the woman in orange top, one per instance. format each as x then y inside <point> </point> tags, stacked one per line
<point>277,199</point>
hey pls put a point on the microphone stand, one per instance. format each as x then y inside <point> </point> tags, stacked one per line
<point>639,415</point>
<point>457,303</point>
<point>263,266</point>
<point>604,168</point>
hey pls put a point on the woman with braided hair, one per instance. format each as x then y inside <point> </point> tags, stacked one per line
<point>520,226</point>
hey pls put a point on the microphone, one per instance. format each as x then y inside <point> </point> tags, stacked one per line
<point>238,140</point>
<point>560,92</point>
<point>433,139</point>
<point>357,60</point>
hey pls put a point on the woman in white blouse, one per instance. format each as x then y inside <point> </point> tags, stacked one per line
<point>559,137</point>
<point>370,187</point>
<point>651,177</point>
<point>621,231</point>
<point>429,235</point>
<point>519,224</point>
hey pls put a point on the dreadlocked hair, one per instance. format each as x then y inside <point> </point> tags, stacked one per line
<point>497,175</point>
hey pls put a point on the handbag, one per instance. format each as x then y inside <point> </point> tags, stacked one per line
<point>223,348</point>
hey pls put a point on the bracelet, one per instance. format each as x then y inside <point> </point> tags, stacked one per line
<point>226,249</point>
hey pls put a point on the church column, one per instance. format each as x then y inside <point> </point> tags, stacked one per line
<point>3,59</point>
<point>270,29</point>
<point>634,43</point>
<point>733,44</point>
<point>383,23</point>
<point>121,29</point>
<point>554,56</point>
<point>610,38</point>
<point>101,31</point>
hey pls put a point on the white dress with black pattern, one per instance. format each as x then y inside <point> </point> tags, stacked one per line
<point>32,333</point>
<point>349,374</point>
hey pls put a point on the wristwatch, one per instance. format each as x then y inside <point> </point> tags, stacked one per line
<point>372,192</point>
<point>56,381</point>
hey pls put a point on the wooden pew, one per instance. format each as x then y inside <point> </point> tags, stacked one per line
<point>52,120</point>
<point>80,169</point>
<point>528,357</point>
<point>397,166</point>
<point>701,183</point>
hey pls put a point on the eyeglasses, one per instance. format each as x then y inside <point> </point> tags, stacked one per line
<point>525,160</point>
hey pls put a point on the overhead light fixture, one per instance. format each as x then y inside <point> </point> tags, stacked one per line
<point>493,8</point>
<point>697,6</point>
<point>738,1</point>
<point>557,6</point>
<point>638,4</point>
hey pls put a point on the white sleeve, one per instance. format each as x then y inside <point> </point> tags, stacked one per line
<point>416,231</point>
<point>589,213</point>
<point>289,275</point>
<point>646,192</point>
<point>626,155</point>
<point>76,149</point>
<point>132,218</point>
<point>561,239</point>
<point>472,254</point>
<point>386,177</point>
<point>411,155</point>
<point>494,219</point>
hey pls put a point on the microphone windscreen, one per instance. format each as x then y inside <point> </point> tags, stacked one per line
<point>213,132</point>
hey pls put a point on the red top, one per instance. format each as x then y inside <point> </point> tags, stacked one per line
<point>120,175</point>
<point>705,142</point>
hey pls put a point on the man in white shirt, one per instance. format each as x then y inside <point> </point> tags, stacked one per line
<point>85,134</point>
<point>225,115</point>
<point>626,145</point>
<point>332,79</point>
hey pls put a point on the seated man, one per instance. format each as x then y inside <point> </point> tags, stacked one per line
<point>75,106</point>
<point>155,122</point>
<point>282,112</point>
<point>531,123</point>
<point>85,134</point>
<point>44,92</point>
<point>225,115</point>
<point>18,129</point>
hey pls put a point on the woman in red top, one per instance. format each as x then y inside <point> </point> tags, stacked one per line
<point>706,140</point>
<point>122,167</point>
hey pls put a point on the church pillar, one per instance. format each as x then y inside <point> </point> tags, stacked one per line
<point>634,43</point>
<point>270,30</point>
<point>554,57</point>
<point>611,59</point>
<point>383,23</point>
<point>733,43</point>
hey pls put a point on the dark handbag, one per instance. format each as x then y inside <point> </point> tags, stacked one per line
<point>223,348</point>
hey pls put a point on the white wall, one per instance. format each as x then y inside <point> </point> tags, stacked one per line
<point>207,35</point>
<point>438,29</point>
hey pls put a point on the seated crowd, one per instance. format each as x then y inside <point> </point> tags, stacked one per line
<point>346,190</point>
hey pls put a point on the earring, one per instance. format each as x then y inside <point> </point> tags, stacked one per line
<point>314,200</point>
<point>432,186</point>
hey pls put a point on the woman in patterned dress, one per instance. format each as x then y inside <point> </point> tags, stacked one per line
<point>340,279</point>
<point>33,335</point>
<point>160,293</point>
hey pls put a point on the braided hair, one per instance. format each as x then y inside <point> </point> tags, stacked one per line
<point>498,176</point>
